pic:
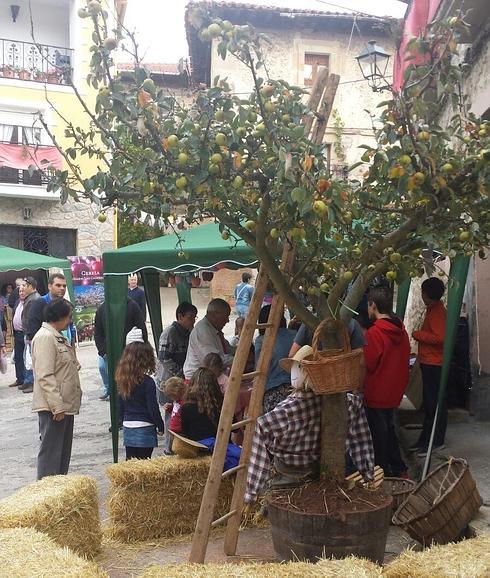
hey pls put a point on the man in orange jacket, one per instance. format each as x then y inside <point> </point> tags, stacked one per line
<point>431,343</point>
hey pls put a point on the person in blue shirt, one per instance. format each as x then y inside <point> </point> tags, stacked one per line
<point>243,295</point>
<point>137,294</point>
<point>56,290</point>
<point>278,384</point>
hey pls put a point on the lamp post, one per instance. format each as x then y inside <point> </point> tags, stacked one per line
<point>373,62</point>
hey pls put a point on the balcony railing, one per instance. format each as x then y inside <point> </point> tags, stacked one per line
<point>35,62</point>
<point>339,171</point>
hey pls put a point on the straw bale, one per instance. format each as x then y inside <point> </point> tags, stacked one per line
<point>346,568</point>
<point>159,498</point>
<point>466,559</point>
<point>27,553</point>
<point>66,508</point>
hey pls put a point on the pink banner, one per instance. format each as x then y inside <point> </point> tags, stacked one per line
<point>18,156</point>
<point>421,13</point>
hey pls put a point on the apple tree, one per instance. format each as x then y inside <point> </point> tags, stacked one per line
<point>249,163</point>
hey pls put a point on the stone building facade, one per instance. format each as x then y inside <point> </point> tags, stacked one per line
<point>298,42</point>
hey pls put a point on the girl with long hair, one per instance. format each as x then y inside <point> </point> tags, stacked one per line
<point>201,411</point>
<point>138,406</point>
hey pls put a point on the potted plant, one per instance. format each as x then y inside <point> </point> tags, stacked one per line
<point>24,74</point>
<point>53,77</point>
<point>8,71</point>
<point>39,75</point>
<point>250,164</point>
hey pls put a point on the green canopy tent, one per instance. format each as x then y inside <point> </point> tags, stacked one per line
<point>16,260</point>
<point>204,249</point>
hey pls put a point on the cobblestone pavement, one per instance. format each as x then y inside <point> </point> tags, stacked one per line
<point>92,453</point>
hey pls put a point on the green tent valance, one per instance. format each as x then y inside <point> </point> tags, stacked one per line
<point>16,260</point>
<point>203,245</point>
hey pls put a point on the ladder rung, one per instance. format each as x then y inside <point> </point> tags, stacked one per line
<point>264,325</point>
<point>239,424</point>
<point>223,519</point>
<point>233,470</point>
<point>251,374</point>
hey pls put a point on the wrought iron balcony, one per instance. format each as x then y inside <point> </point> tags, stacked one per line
<point>339,171</point>
<point>35,62</point>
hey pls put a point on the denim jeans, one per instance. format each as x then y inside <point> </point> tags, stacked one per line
<point>104,374</point>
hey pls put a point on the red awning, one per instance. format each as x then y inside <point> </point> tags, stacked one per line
<point>18,156</point>
<point>421,13</point>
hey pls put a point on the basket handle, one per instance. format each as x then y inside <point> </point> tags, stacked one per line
<point>340,327</point>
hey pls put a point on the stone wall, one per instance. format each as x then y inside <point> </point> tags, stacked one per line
<point>224,282</point>
<point>284,58</point>
<point>93,238</point>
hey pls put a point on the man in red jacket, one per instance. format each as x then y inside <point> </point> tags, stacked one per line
<point>386,354</point>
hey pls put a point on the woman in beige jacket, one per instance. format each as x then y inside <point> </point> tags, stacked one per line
<point>57,393</point>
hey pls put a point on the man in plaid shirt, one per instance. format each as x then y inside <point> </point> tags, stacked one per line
<point>291,433</point>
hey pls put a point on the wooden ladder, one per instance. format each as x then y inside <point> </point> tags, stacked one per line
<point>205,520</point>
<point>320,104</point>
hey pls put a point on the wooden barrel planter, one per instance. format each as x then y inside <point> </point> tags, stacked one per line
<point>440,507</point>
<point>304,536</point>
<point>399,489</point>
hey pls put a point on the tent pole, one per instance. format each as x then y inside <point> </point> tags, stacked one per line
<point>151,281</point>
<point>402,298</point>
<point>115,288</point>
<point>455,293</point>
<point>183,290</point>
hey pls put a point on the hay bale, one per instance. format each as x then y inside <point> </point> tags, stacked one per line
<point>466,559</point>
<point>159,498</point>
<point>26,553</point>
<point>346,568</point>
<point>66,508</point>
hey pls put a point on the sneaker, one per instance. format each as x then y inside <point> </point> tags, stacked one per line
<point>28,389</point>
<point>104,396</point>
<point>15,384</point>
<point>423,453</point>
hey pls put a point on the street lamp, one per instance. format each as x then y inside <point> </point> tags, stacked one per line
<point>373,62</point>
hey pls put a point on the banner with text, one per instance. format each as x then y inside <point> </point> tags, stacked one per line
<point>88,289</point>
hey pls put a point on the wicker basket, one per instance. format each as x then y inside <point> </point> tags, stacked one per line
<point>440,507</point>
<point>399,489</point>
<point>333,370</point>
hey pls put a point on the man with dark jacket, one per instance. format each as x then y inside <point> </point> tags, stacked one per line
<point>137,294</point>
<point>29,287</point>
<point>387,354</point>
<point>172,351</point>
<point>134,318</point>
<point>56,290</point>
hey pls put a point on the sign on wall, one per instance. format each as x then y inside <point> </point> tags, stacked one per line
<point>88,289</point>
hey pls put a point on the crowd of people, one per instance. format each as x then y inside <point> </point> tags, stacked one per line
<point>191,378</point>
<point>178,393</point>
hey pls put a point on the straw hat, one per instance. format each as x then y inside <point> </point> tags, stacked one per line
<point>287,362</point>
<point>186,448</point>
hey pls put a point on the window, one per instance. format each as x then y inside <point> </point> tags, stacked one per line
<point>20,135</point>
<point>28,135</point>
<point>312,64</point>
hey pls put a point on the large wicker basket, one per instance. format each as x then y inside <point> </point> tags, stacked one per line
<point>440,507</point>
<point>333,370</point>
<point>399,489</point>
